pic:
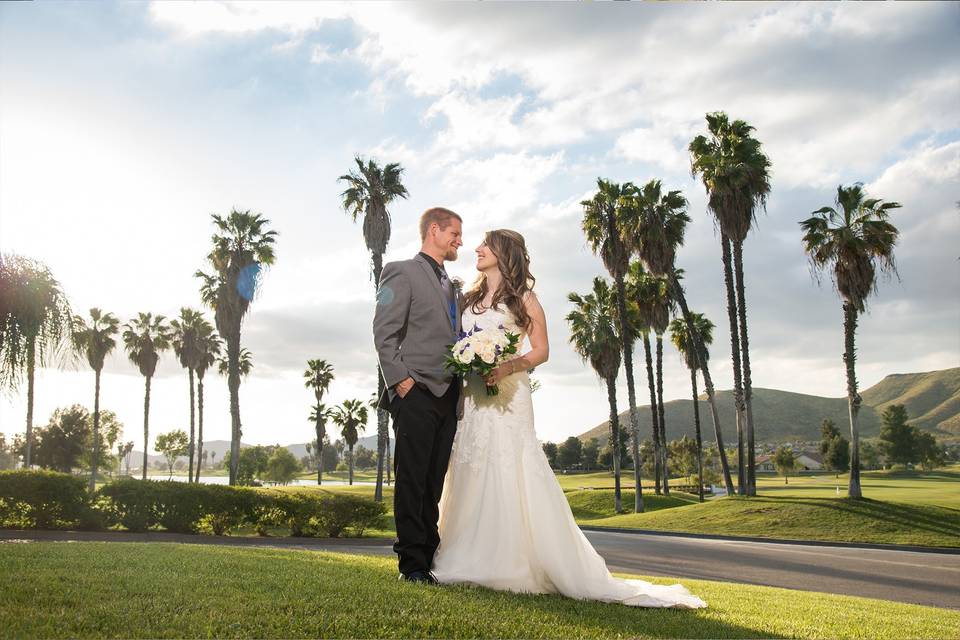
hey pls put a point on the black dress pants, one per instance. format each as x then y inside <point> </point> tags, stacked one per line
<point>424,428</point>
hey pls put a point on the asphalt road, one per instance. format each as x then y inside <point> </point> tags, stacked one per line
<point>903,576</point>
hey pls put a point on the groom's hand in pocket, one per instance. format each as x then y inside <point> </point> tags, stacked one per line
<point>403,387</point>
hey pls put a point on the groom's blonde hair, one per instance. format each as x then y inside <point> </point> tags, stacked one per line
<point>436,214</point>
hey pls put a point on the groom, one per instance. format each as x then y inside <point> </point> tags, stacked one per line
<point>417,317</point>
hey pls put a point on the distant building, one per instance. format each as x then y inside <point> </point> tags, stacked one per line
<point>809,461</point>
<point>765,463</point>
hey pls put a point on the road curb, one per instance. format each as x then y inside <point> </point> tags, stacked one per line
<point>814,543</point>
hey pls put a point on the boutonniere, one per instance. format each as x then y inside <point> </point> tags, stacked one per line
<point>457,283</point>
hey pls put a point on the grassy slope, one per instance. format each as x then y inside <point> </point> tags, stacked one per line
<point>828,519</point>
<point>168,590</point>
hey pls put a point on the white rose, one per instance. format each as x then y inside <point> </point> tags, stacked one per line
<point>465,355</point>
<point>488,353</point>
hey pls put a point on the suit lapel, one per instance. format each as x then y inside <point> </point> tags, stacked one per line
<point>435,284</point>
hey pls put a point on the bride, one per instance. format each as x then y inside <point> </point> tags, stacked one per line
<point>504,520</point>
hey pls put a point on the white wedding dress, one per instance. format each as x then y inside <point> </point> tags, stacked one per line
<point>504,520</point>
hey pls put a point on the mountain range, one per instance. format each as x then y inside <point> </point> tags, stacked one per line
<point>932,400</point>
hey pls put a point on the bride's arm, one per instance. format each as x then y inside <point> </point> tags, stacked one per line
<point>539,345</point>
<point>536,334</point>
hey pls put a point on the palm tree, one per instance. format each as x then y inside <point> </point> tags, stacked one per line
<point>640,289</point>
<point>852,240</point>
<point>661,308</point>
<point>594,336</point>
<point>318,376</point>
<point>186,333</point>
<point>736,175</point>
<point>144,339</point>
<point>96,341</point>
<point>658,224</point>
<point>680,338</point>
<point>35,323</point>
<point>209,346</point>
<point>245,363</point>
<point>370,189</point>
<point>352,418</point>
<point>604,225</point>
<point>242,248</point>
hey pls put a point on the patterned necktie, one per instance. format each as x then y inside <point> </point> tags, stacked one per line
<point>451,300</point>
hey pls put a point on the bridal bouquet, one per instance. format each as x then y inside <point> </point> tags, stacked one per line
<point>480,351</point>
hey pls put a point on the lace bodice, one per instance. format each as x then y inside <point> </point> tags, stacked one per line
<point>491,318</point>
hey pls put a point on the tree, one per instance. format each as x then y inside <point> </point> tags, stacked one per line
<point>318,376</point>
<point>651,296</point>
<point>837,455</point>
<point>834,448</point>
<point>604,223</point>
<point>851,241</point>
<point>897,437</point>
<point>595,339</point>
<point>61,443</point>
<point>282,466</point>
<point>929,454</point>
<point>209,346</point>
<point>109,433</point>
<point>869,456</point>
<point>828,431</point>
<point>570,453</point>
<point>351,416</point>
<point>244,363</point>
<point>330,457</point>
<point>370,190</point>
<point>589,454</point>
<point>365,458</point>
<point>685,453</point>
<point>171,445</point>
<point>186,346</point>
<point>144,339</point>
<point>251,465</point>
<point>784,462</point>
<point>123,453</point>
<point>35,324</point>
<point>680,337</point>
<point>551,451</point>
<point>658,223</point>
<point>242,248</point>
<point>736,176</point>
<point>95,341</point>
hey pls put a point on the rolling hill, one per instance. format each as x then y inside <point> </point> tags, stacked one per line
<point>932,400</point>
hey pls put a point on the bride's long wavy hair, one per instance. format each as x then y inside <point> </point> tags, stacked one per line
<point>514,263</point>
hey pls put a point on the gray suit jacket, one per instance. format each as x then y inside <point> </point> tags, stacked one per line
<point>411,327</point>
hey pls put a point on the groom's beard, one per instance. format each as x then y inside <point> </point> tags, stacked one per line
<point>450,255</point>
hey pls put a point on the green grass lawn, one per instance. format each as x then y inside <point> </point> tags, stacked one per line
<point>162,590</point>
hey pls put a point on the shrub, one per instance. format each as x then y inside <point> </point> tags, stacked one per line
<point>44,500</point>
<point>131,503</point>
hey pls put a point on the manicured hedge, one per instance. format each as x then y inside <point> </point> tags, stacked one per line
<point>43,499</point>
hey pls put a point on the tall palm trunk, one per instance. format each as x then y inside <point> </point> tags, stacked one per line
<point>96,432</point>
<point>661,419</point>
<point>747,384</point>
<point>853,398</point>
<point>614,442</point>
<point>681,299</point>
<point>199,426</point>
<point>696,425</point>
<point>350,466</point>
<point>192,418</point>
<point>233,383</point>
<point>654,413</point>
<point>627,341</point>
<point>735,353</point>
<point>320,435</point>
<point>146,425</point>
<point>383,417</point>
<point>31,373</point>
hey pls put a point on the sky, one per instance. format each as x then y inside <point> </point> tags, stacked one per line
<point>123,127</point>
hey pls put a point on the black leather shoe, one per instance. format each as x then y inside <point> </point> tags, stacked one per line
<point>416,576</point>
